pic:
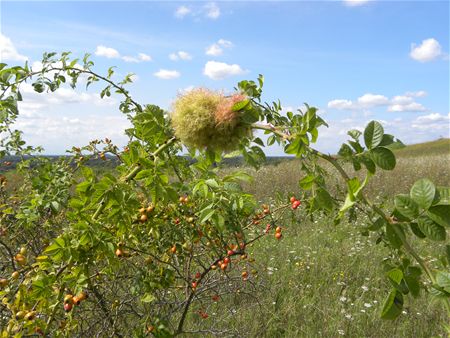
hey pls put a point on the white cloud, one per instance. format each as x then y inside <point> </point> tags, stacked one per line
<point>63,95</point>
<point>60,131</point>
<point>112,53</point>
<point>107,52</point>
<point>340,104</point>
<point>216,49</point>
<point>428,50</point>
<point>433,117</point>
<point>420,93</point>
<point>212,10</point>
<point>398,103</point>
<point>130,59</point>
<point>225,43</point>
<point>144,57</point>
<point>64,118</point>
<point>432,123</point>
<point>220,70</point>
<point>8,52</point>
<point>186,89</point>
<point>372,100</point>
<point>182,11</point>
<point>166,74</point>
<point>354,3</point>
<point>180,55</point>
<point>209,10</point>
<point>409,107</point>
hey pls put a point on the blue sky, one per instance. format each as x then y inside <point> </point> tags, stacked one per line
<point>355,60</point>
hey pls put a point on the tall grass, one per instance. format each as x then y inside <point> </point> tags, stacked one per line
<point>323,280</point>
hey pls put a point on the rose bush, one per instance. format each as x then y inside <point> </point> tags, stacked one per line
<point>140,249</point>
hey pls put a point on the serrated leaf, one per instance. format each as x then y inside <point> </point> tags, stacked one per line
<point>431,229</point>
<point>422,192</point>
<point>373,134</point>
<point>383,158</point>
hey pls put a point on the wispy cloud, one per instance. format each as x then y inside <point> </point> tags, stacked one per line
<point>209,10</point>
<point>182,11</point>
<point>217,48</point>
<point>212,10</point>
<point>180,55</point>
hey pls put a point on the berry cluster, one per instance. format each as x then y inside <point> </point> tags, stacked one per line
<point>295,203</point>
<point>70,300</point>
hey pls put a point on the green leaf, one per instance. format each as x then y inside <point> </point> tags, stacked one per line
<point>295,147</point>
<point>212,183</point>
<point>395,275</point>
<point>345,151</point>
<point>354,134</point>
<point>258,141</point>
<point>271,140</point>
<point>373,134</point>
<point>377,225</point>
<point>353,186</point>
<point>443,280</point>
<point>431,229</point>
<point>240,105</point>
<point>368,163</point>
<point>387,140</point>
<point>206,214</point>
<point>444,195</point>
<point>447,253</point>
<point>392,237</point>
<point>422,192</point>
<point>393,305</point>
<point>406,206</point>
<point>324,200</point>
<point>307,182</point>
<point>383,157</point>
<point>416,230</point>
<point>440,214</point>
<point>413,284</point>
<point>148,298</point>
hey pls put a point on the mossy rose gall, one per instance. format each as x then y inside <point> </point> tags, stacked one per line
<point>203,119</point>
